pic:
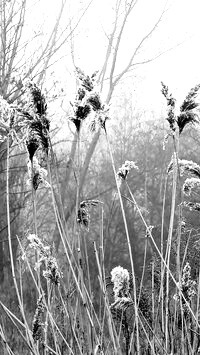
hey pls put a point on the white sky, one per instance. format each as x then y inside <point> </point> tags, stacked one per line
<point>178,68</point>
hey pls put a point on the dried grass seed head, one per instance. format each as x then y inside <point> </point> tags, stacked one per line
<point>125,168</point>
<point>37,244</point>
<point>36,100</point>
<point>6,111</point>
<point>80,94</point>
<point>81,108</point>
<point>37,136</point>
<point>189,103</point>
<point>52,271</point>
<point>100,118</point>
<point>36,120</point>
<point>187,285</point>
<point>37,175</point>
<point>190,184</point>
<point>171,118</point>
<point>193,206</point>
<point>87,82</point>
<point>188,113</point>
<point>186,166</point>
<point>87,100</point>
<point>120,278</point>
<point>37,325</point>
<point>185,118</point>
<point>95,101</point>
<point>83,216</point>
<point>80,114</point>
<point>8,118</point>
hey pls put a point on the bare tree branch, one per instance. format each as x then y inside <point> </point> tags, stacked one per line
<point>116,50</point>
<point>143,40</point>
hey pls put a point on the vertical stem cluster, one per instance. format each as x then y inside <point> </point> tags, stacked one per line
<point>129,247</point>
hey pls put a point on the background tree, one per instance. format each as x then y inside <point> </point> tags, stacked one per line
<point>107,80</point>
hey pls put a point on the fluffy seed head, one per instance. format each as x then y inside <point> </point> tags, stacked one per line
<point>52,271</point>
<point>125,168</point>
<point>189,185</point>
<point>37,175</point>
<point>120,278</point>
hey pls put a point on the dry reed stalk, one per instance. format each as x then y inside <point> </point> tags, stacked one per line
<point>111,326</point>
<point>169,244</point>
<point>133,201</point>
<point>128,243</point>
<point>29,339</point>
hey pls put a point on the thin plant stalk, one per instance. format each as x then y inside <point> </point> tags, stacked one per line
<point>169,248</point>
<point>111,327</point>
<point>63,235</point>
<point>143,269</point>
<point>195,341</point>
<point>132,200</point>
<point>46,305</point>
<point>162,253</point>
<point>4,341</point>
<point>83,295</point>
<point>171,225</point>
<point>72,328</point>
<point>34,210</point>
<point>129,246</point>
<point>153,301</point>
<point>10,241</point>
<point>13,318</point>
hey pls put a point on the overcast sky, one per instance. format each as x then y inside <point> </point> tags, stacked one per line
<point>179,68</point>
<point>180,30</point>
